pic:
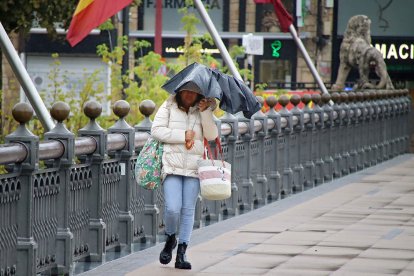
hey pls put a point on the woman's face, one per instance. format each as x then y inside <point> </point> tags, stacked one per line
<point>188,98</point>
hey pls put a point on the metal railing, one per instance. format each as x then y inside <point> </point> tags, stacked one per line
<point>53,216</point>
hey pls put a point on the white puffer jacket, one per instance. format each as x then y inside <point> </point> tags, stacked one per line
<point>169,127</point>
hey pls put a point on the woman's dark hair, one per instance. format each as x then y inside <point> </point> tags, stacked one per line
<point>180,102</point>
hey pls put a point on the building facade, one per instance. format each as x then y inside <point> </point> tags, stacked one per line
<point>280,66</point>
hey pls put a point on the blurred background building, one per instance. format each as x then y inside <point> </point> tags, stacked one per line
<point>320,24</point>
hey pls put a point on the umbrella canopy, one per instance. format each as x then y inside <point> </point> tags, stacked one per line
<point>233,94</point>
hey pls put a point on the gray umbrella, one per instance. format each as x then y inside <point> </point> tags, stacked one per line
<point>233,94</point>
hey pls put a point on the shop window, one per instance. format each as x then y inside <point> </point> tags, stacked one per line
<point>272,71</point>
<point>68,78</point>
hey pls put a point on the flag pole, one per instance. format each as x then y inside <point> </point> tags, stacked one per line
<point>125,57</point>
<point>25,81</point>
<point>217,39</point>
<point>307,58</point>
<point>158,28</point>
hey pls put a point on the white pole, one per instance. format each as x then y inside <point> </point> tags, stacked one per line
<point>307,59</point>
<point>217,39</point>
<point>25,81</point>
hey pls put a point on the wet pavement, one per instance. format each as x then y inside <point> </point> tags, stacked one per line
<point>361,224</point>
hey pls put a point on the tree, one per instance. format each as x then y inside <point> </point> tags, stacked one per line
<point>20,15</point>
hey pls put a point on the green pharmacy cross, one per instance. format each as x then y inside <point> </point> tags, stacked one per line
<point>276,46</point>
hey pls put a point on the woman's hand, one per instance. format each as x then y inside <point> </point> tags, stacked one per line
<point>205,103</point>
<point>189,138</point>
<point>189,135</point>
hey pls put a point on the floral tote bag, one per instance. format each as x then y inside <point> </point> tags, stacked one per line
<point>149,165</point>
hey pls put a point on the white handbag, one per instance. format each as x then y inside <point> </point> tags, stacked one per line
<point>215,175</point>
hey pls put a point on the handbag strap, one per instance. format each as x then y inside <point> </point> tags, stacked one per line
<point>218,146</point>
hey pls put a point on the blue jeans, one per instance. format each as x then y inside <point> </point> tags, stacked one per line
<point>180,194</point>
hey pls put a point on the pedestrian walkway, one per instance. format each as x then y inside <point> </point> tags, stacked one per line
<point>362,224</point>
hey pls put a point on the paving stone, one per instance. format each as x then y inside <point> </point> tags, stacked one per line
<point>297,272</point>
<point>235,270</point>
<point>384,253</point>
<point>376,265</point>
<point>344,272</point>
<point>277,249</point>
<point>362,228</point>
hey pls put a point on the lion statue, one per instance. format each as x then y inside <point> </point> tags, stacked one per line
<point>356,52</point>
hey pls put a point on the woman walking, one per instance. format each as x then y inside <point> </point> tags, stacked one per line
<point>181,123</point>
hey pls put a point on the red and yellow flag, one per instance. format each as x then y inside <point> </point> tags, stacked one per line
<point>89,14</point>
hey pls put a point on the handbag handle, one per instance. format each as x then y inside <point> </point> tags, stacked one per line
<point>218,145</point>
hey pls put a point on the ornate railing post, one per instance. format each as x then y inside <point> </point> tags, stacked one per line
<point>275,164</point>
<point>231,205</point>
<point>284,144</point>
<point>368,123</point>
<point>371,147</point>
<point>401,125</point>
<point>23,230</point>
<point>377,135</point>
<point>336,136</point>
<point>317,139</point>
<point>362,129</point>
<point>354,127</point>
<point>258,173</point>
<point>394,124</point>
<point>382,125</point>
<point>125,218</point>
<point>64,237</point>
<point>243,150</point>
<point>306,143</point>
<point>149,205</point>
<point>345,134</point>
<point>388,124</point>
<point>327,149</point>
<point>407,115</point>
<point>97,227</point>
<point>296,145</point>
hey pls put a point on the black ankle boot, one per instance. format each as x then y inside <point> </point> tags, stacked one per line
<point>181,260</point>
<point>166,253</point>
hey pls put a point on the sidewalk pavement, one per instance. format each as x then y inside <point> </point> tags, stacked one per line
<point>361,224</point>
